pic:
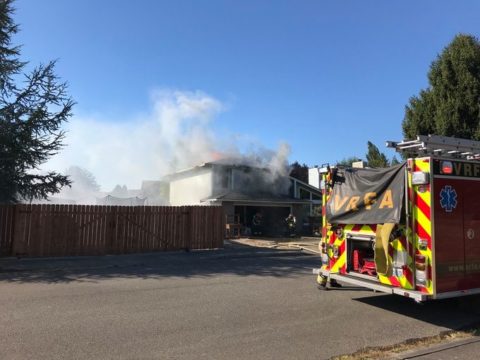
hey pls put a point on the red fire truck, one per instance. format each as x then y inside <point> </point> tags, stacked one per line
<point>412,229</point>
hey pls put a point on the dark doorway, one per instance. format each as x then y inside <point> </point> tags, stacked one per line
<point>272,219</point>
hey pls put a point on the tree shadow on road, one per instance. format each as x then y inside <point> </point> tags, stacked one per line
<point>236,261</point>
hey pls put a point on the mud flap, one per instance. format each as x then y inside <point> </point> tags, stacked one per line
<point>382,260</point>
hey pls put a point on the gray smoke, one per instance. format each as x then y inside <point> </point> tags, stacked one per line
<point>262,170</point>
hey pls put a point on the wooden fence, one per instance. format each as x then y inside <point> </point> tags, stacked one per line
<point>69,230</point>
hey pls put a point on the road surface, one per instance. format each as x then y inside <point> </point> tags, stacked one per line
<point>233,304</point>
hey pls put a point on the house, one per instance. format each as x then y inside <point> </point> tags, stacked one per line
<point>155,192</point>
<point>246,190</point>
<point>121,201</point>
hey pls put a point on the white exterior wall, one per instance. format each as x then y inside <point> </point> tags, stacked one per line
<point>314,177</point>
<point>190,190</point>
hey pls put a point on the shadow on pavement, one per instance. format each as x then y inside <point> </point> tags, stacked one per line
<point>348,288</point>
<point>454,314</point>
<point>232,260</point>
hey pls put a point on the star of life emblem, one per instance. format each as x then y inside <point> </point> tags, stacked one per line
<point>448,198</point>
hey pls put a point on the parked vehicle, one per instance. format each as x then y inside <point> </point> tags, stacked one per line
<point>411,229</point>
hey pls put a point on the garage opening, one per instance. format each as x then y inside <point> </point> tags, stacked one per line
<point>263,220</point>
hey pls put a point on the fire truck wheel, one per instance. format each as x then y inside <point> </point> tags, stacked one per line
<point>335,284</point>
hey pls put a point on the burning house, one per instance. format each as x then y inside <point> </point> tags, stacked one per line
<point>245,191</point>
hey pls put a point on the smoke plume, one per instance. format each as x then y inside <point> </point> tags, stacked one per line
<point>177,133</point>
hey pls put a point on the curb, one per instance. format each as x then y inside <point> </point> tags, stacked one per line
<point>412,354</point>
<point>13,265</point>
<point>278,253</point>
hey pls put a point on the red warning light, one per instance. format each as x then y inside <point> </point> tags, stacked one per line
<point>447,167</point>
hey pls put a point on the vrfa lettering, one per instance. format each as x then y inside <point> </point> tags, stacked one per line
<point>368,200</point>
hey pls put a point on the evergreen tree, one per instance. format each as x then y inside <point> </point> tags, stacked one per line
<point>33,107</point>
<point>82,179</point>
<point>299,172</point>
<point>119,191</point>
<point>348,161</point>
<point>450,106</point>
<point>375,158</point>
<point>394,161</point>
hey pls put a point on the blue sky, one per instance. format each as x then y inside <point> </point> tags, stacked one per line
<point>322,76</point>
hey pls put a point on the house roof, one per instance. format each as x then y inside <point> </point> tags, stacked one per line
<point>230,162</point>
<point>113,200</point>
<point>308,186</point>
<point>254,198</point>
<point>227,162</point>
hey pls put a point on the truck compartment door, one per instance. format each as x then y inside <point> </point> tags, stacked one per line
<point>471,233</point>
<point>449,240</point>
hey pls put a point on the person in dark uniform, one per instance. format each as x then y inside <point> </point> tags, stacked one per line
<point>257,224</point>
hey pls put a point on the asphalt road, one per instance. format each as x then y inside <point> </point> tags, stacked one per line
<point>232,304</point>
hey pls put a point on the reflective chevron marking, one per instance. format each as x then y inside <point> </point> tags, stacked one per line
<point>421,207</point>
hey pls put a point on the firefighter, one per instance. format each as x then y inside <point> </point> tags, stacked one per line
<point>291,223</point>
<point>257,222</point>
<point>322,283</point>
<point>323,280</point>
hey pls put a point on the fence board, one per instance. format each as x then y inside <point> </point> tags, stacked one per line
<point>165,218</point>
<point>7,214</point>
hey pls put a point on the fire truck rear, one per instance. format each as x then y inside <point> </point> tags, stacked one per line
<point>411,229</point>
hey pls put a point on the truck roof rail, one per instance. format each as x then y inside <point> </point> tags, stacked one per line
<point>438,146</point>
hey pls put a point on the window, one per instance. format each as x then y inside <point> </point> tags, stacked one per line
<point>304,194</point>
<point>227,175</point>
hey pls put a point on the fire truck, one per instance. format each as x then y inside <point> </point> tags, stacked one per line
<point>412,229</point>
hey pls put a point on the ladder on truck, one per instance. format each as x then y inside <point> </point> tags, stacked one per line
<point>438,146</point>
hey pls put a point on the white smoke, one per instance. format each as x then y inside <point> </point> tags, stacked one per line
<point>278,164</point>
<point>177,133</point>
